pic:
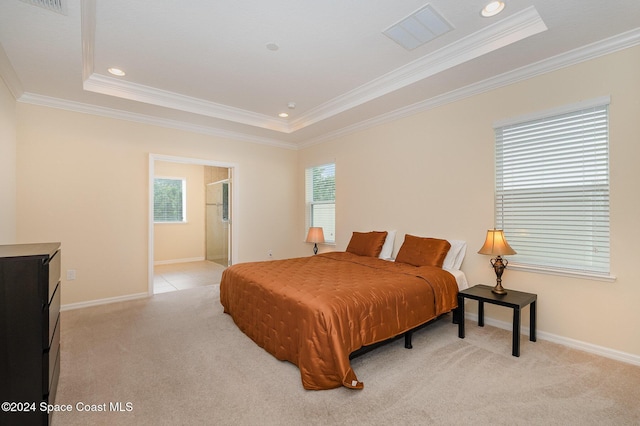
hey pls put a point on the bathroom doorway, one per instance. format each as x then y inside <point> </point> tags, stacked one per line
<point>226,248</point>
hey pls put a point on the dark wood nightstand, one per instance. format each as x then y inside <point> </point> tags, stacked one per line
<point>515,300</point>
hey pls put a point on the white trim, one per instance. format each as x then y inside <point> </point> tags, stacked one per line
<point>172,261</point>
<point>565,109</point>
<point>565,341</point>
<point>112,86</point>
<point>108,300</point>
<point>514,266</point>
<point>321,163</point>
<point>137,92</point>
<point>184,222</point>
<point>35,99</point>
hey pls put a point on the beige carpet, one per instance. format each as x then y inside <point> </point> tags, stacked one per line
<point>178,359</point>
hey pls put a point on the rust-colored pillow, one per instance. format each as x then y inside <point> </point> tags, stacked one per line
<point>419,251</point>
<point>367,243</point>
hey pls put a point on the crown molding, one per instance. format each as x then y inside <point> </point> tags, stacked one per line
<point>592,51</point>
<point>507,31</point>
<point>528,20</point>
<point>35,99</point>
<point>105,85</point>
<point>137,92</point>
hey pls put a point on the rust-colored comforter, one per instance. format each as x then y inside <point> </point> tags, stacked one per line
<point>315,311</point>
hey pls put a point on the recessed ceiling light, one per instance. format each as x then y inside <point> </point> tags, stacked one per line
<point>272,46</point>
<point>283,115</point>
<point>116,71</point>
<point>492,9</point>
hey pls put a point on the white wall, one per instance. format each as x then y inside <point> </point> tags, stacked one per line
<point>7,166</point>
<point>432,174</point>
<point>83,180</point>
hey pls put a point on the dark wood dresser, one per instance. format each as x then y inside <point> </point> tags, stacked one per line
<point>29,331</point>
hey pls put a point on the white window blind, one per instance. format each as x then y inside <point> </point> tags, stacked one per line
<point>552,190</point>
<point>320,190</point>
<point>169,200</point>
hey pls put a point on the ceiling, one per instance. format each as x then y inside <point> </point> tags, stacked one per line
<point>210,66</point>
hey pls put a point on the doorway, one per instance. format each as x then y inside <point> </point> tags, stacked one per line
<point>221,239</point>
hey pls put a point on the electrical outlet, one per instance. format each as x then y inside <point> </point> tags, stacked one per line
<point>270,254</point>
<point>71,274</point>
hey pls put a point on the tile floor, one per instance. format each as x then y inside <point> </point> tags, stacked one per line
<point>180,276</point>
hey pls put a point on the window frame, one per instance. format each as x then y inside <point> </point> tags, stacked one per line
<point>183,194</point>
<point>310,203</point>
<point>531,263</point>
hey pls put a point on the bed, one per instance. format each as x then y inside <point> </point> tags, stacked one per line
<point>315,311</point>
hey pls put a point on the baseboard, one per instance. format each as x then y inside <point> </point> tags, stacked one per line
<point>565,341</point>
<point>80,305</point>
<point>169,262</point>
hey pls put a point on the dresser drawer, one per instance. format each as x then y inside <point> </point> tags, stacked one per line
<point>54,368</point>
<point>50,318</point>
<point>54,274</point>
<point>49,361</point>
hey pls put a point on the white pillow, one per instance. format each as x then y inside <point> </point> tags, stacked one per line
<point>387,247</point>
<point>455,255</point>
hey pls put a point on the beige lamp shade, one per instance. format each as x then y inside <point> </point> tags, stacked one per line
<point>315,235</point>
<point>496,244</point>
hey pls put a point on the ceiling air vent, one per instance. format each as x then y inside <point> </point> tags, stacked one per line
<point>420,27</point>
<point>58,6</point>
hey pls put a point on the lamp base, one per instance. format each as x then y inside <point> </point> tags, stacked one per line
<point>498,266</point>
<point>498,289</point>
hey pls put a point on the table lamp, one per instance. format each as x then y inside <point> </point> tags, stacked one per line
<point>315,236</point>
<point>496,245</point>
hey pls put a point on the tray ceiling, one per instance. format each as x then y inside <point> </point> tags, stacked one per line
<point>230,68</point>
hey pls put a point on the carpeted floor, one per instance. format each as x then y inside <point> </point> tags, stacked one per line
<point>177,359</point>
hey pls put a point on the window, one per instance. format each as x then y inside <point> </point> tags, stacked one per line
<point>552,189</point>
<point>320,184</point>
<point>169,200</point>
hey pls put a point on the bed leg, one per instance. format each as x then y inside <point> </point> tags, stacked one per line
<point>407,340</point>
